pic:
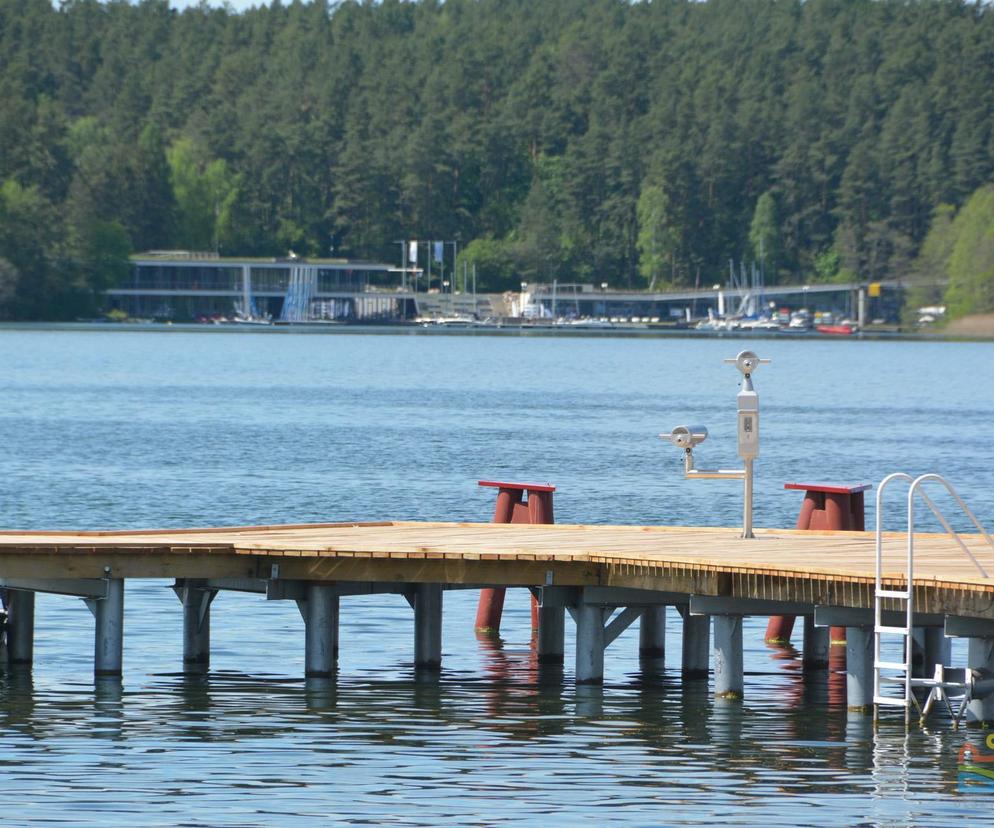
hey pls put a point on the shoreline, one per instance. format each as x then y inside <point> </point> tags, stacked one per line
<point>969,332</point>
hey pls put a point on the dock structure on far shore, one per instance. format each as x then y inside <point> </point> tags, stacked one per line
<point>604,577</point>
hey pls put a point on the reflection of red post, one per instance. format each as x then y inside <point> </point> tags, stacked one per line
<point>512,508</point>
<point>832,508</point>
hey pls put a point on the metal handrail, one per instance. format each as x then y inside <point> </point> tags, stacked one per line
<point>952,533</point>
<point>908,593</point>
<point>879,532</point>
<point>915,487</point>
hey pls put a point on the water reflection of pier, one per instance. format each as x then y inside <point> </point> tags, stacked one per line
<point>683,736</point>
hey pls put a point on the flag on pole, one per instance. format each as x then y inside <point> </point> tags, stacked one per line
<point>438,251</point>
<point>412,254</point>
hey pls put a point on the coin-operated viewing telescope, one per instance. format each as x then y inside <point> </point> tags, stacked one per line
<point>686,437</point>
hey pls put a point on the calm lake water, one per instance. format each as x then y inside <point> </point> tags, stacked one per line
<point>138,428</point>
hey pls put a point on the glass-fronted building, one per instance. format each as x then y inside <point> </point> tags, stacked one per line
<point>182,286</point>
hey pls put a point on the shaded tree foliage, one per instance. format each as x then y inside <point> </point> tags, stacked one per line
<point>764,234</point>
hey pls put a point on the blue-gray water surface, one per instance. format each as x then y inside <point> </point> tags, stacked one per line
<point>106,429</point>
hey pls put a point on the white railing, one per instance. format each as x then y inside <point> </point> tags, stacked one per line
<point>906,595</point>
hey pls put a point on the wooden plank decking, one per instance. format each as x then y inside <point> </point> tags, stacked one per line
<point>834,568</point>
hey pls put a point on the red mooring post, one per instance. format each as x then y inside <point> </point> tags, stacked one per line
<point>829,508</point>
<point>511,507</point>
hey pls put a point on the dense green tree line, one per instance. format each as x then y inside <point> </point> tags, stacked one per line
<point>958,251</point>
<point>635,143</point>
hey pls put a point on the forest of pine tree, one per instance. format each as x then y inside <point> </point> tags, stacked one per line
<point>636,143</point>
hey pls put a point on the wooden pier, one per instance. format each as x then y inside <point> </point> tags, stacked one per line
<point>605,577</point>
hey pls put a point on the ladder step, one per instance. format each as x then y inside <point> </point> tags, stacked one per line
<point>893,630</point>
<point>892,679</point>
<point>890,701</point>
<point>891,665</point>
<point>893,593</point>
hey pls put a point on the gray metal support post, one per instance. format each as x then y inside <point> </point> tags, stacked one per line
<point>747,489</point>
<point>20,626</point>
<point>859,668</point>
<point>247,290</point>
<point>196,600</point>
<point>551,634</point>
<point>428,626</point>
<point>652,633</point>
<point>918,652</point>
<point>320,631</point>
<point>589,644</point>
<point>980,656</point>
<point>696,632</point>
<point>937,649</point>
<point>728,683</point>
<point>108,640</point>
<point>815,656</point>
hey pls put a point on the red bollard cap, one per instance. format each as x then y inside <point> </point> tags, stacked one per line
<point>526,487</point>
<point>829,488</point>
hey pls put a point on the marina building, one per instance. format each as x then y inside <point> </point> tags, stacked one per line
<point>183,286</point>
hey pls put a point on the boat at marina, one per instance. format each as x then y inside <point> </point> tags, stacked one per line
<point>839,329</point>
<point>240,319</point>
<point>800,320</point>
<point>457,321</point>
<point>585,324</point>
<point>763,323</point>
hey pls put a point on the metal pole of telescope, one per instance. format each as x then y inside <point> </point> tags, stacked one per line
<point>747,501</point>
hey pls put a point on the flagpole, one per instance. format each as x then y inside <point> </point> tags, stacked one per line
<point>403,265</point>
<point>411,257</point>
